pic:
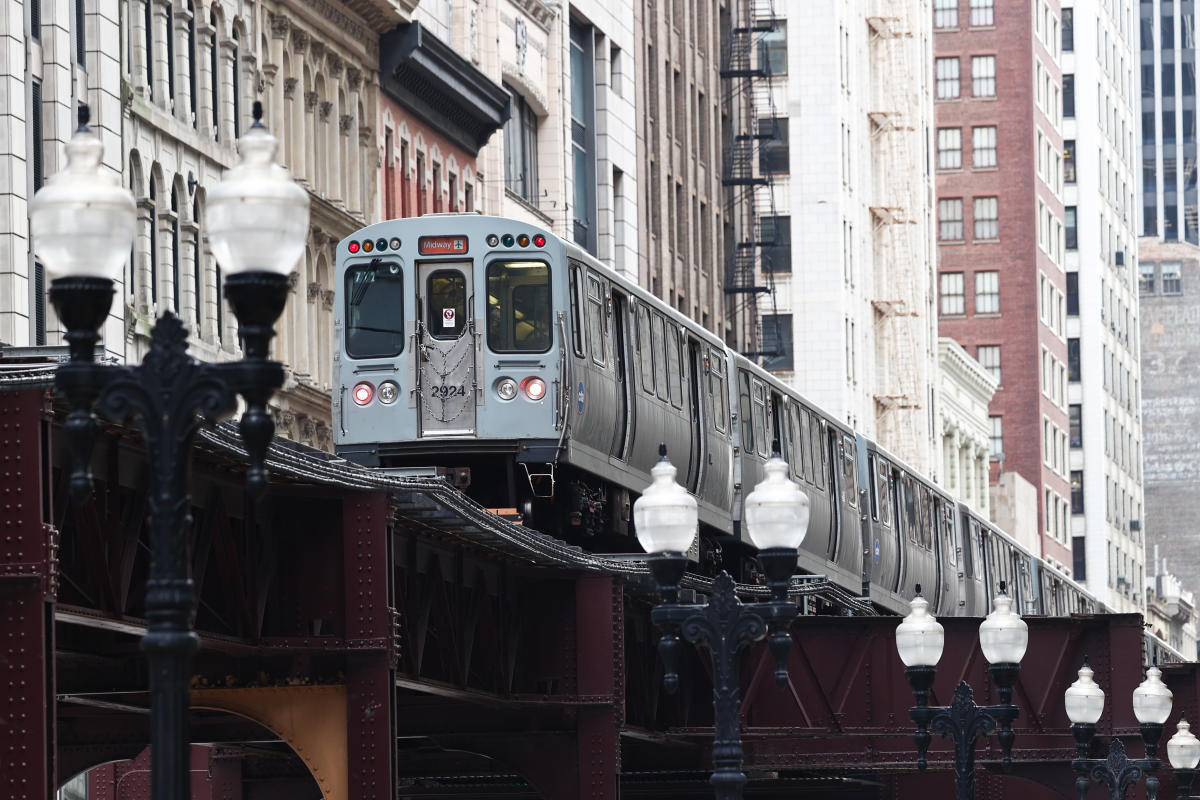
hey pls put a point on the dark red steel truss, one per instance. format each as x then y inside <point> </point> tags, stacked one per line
<point>467,672</point>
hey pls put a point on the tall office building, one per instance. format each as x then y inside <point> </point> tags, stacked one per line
<point>1100,40</point>
<point>1002,285</point>
<point>832,156</point>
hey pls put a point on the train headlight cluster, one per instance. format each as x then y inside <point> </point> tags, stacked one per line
<point>520,240</point>
<point>388,392</point>
<point>373,245</point>
<point>363,392</point>
<point>506,388</point>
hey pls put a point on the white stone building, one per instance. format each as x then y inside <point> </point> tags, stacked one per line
<point>965,389</point>
<point>853,186</point>
<point>1101,120</point>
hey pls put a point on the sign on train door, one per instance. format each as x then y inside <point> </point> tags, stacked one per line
<point>446,339</point>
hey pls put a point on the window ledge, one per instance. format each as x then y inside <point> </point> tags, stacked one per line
<point>511,195</point>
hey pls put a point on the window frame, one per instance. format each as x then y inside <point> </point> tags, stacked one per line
<point>948,151</point>
<point>948,86</point>
<point>949,204</point>
<point>987,285</point>
<point>944,295</point>
<point>978,149</point>
<point>487,276</point>
<point>990,224</point>
<point>983,85</point>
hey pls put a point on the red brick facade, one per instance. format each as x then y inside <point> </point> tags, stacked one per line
<point>421,170</point>
<point>1015,253</point>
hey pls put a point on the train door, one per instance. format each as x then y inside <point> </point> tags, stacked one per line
<point>624,428</point>
<point>886,547</point>
<point>948,561</point>
<point>446,339</point>
<point>693,365</point>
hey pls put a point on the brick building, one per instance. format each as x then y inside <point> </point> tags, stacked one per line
<point>1001,279</point>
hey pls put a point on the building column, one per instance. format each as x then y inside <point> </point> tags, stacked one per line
<point>311,145</point>
<point>143,258</point>
<point>368,158</point>
<point>227,66</point>
<point>969,473</point>
<point>272,68</point>
<point>188,264</point>
<point>335,180</point>
<point>354,166</point>
<point>183,87</point>
<point>141,56</point>
<point>983,456</point>
<point>205,80</point>
<point>298,131</point>
<point>162,64</point>
<point>247,77</point>
<point>166,251</point>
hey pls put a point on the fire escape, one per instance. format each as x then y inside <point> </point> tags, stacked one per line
<point>752,123</point>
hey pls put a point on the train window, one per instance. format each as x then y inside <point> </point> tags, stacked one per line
<point>948,533</point>
<point>849,473</point>
<point>928,519</point>
<point>760,418</point>
<point>746,412</point>
<point>576,319</point>
<point>908,508</point>
<point>674,365</point>
<point>645,351</point>
<point>716,364</point>
<point>595,316</point>
<point>660,355</point>
<point>374,310</point>
<point>820,449</point>
<point>446,304</point>
<point>875,497</point>
<point>519,308</point>
<point>883,490</point>
<point>796,445</point>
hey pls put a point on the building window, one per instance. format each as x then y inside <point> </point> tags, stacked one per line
<point>389,176</point>
<point>1172,281</point>
<point>1075,412</point>
<point>985,146</point>
<point>949,148</point>
<point>777,341</point>
<point>520,149</point>
<point>945,14</point>
<point>1073,294</point>
<point>1072,232</point>
<point>997,438</point>
<point>583,135</point>
<point>1073,360</point>
<point>987,292</point>
<point>950,222</point>
<point>773,153</point>
<point>1068,95</point>
<point>983,76</point>
<point>772,50</point>
<point>981,13</point>
<point>987,218</point>
<point>776,244</point>
<point>988,356</point>
<point>952,294</point>
<point>1146,277</point>
<point>947,78</point>
<point>1068,30</point>
<point>1069,160</point>
<point>1076,491</point>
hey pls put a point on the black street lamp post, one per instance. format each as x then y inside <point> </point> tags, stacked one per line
<point>83,225</point>
<point>776,517</point>
<point>1151,705</point>
<point>1003,636</point>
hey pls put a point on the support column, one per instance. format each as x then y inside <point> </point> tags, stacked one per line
<point>139,76</point>
<point>277,113</point>
<point>166,245</point>
<point>162,64</point>
<point>183,87</point>
<point>354,200</point>
<point>299,129</point>
<point>28,589</point>
<point>370,669</point>
<point>247,77</point>
<point>205,82</point>
<point>368,158</point>
<point>600,657</point>
<point>188,266</point>
<point>228,74</point>
<point>143,257</point>
<point>335,178</point>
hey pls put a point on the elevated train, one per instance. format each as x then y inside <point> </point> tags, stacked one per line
<point>484,344</point>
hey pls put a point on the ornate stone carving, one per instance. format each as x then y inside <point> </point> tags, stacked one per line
<point>299,40</point>
<point>318,49</point>
<point>327,300</point>
<point>310,101</point>
<point>366,134</point>
<point>345,123</point>
<point>326,109</point>
<point>353,78</point>
<point>308,428</point>
<point>323,436</point>
<point>293,279</point>
<point>279,25</point>
<point>289,87</point>
<point>333,65</point>
<point>314,291</point>
<point>284,419</point>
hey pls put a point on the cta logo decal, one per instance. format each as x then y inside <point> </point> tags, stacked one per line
<point>579,397</point>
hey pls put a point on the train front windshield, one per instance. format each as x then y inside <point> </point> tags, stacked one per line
<point>374,310</point>
<point>519,310</point>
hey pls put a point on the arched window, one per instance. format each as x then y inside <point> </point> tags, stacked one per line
<point>215,78</point>
<point>170,49</point>
<point>191,60</point>
<point>153,248</point>
<point>149,36</point>
<point>197,267</point>
<point>174,250</point>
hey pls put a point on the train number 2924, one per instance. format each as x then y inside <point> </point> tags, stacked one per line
<point>447,391</point>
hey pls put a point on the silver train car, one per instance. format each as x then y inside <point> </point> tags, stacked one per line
<point>542,382</point>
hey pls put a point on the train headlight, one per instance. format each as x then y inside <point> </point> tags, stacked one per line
<point>388,392</point>
<point>506,388</point>
<point>363,393</point>
<point>535,388</point>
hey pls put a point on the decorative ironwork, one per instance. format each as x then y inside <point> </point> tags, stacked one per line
<point>1118,772</point>
<point>725,625</point>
